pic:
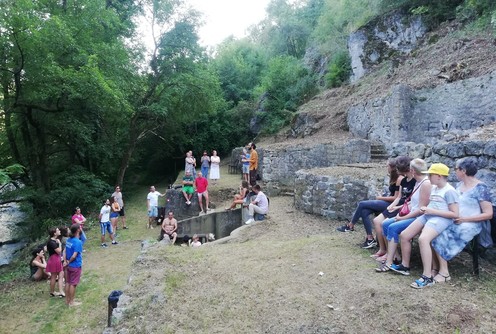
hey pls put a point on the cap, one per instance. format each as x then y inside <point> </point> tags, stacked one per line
<point>439,169</point>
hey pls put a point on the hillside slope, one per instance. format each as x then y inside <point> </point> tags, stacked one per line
<point>445,55</point>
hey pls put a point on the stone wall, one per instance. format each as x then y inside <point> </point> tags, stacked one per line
<point>448,152</point>
<point>221,224</point>
<point>427,115</point>
<point>279,166</point>
<point>334,192</point>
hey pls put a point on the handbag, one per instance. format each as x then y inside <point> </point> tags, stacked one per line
<point>405,208</point>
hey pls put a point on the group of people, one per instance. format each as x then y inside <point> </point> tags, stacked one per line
<point>65,248</point>
<point>64,264</point>
<point>208,164</point>
<point>422,202</point>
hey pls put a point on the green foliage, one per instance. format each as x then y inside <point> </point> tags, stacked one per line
<point>71,188</point>
<point>7,172</point>
<point>339,70</point>
<point>434,11</point>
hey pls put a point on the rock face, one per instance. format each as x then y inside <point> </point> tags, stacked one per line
<point>427,115</point>
<point>280,165</point>
<point>383,38</point>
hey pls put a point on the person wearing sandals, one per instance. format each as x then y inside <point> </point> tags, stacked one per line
<point>475,210</point>
<point>73,261</point>
<point>380,204</point>
<point>406,188</point>
<point>392,227</point>
<point>437,216</point>
<point>54,264</point>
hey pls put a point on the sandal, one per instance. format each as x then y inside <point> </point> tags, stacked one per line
<point>443,279</point>
<point>376,255</point>
<point>422,282</point>
<point>381,258</point>
<point>383,267</point>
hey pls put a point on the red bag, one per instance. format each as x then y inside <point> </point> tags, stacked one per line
<point>405,209</point>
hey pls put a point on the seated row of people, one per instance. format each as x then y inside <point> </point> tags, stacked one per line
<point>425,204</point>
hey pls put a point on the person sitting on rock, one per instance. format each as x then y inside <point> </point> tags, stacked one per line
<point>240,198</point>
<point>259,205</point>
<point>38,264</point>
<point>188,190</point>
<point>169,228</point>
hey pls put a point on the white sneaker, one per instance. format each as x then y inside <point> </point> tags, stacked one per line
<point>249,221</point>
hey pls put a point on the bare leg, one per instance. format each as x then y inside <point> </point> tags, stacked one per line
<point>428,234</point>
<point>53,278</point>
<point>405,238</point>
<point>61,283</point>
<point>123,218</point>
<point>206,200</point>
<point>378,232</point>
<point>200,201</point>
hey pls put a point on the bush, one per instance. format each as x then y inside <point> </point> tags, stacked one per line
<point>339,70</point>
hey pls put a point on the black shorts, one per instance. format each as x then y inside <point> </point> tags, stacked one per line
<point>122,213</point>
<point>253,177</point>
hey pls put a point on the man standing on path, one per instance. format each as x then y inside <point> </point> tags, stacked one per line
<point>205,164</point>
<point>188,190</point>
<point>169,227</point>
<point>259,205</point>
<point>253,164</point>
<point>152,205</point>
<point>73,262</point>
<point>201,184</point>
<point>118,197</point>
<point>105,224</point>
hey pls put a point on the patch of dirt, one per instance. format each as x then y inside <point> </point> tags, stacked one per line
<point>456,55</point>
<point>294,273</point>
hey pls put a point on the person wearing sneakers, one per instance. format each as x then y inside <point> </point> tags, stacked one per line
<point>201,184</point>
<point>188,190</point>
<point>105,224</point>
<point>117,194</point>
<point>437,216</point>
<point>475,211</point>
<point>259,205</point>
<point>152,205</point>
<point>406,187</point>
<point>380,204</point>
<point>392,227</point>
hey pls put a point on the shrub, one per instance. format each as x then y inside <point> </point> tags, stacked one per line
<point>339,70</point>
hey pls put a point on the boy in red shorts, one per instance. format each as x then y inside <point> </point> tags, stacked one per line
<point>73,262</point>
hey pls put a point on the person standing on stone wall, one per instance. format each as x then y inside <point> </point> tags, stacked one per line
<point>253,164</point>
<point>117,194</point>
<point>190,163</point>
<point>201,184</point>
<point>205,163</point>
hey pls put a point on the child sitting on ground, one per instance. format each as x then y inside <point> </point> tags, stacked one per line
<point>196,241</point>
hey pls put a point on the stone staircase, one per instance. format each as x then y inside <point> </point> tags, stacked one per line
<point>378,153</point>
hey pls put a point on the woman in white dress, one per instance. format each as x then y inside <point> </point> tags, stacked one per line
<point>214,167</point>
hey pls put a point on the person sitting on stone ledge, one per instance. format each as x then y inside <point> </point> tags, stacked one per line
<point>169,228</point>
<point>240,198</point>
<point>259,205</point>
<point>376,206</point>
<point>188,190</point>
<point>201,184</point>
<point>406,188</point>
<point>475,211</point>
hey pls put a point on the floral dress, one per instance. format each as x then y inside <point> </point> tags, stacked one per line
<point>454,239</point>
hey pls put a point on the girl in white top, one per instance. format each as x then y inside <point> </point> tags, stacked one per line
<point>214,167</point>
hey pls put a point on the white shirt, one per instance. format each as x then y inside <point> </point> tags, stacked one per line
<point>105,212</point>
<point>262,201</point>
<point>153,198</point>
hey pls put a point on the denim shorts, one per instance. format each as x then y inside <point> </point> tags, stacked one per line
<point>439,224</point>
<point>246,169</point>
<point>106,226</point>
<point>153,212</point>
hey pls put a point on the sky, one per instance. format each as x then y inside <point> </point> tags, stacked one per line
<point>227,17</point>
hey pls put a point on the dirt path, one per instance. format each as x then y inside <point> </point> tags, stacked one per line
<point>295,274</point>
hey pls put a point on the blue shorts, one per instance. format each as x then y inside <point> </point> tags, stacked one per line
<point>153,212</point>
<point>439,224</point>
<point>114,215</point>
<point>107,226</point>
<point>246,169</point>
